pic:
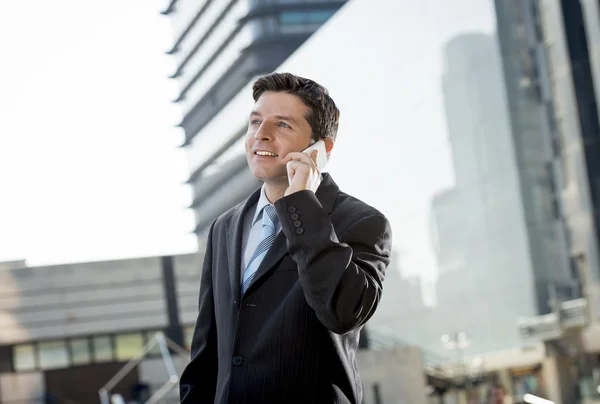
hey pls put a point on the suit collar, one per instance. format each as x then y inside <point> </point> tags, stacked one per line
<point>262,202</point>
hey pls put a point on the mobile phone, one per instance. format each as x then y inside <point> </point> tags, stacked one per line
<point>321,156</point>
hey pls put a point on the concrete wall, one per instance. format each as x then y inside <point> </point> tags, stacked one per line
<point>399,375</point>
<point>22,388</point>
<point>91,298</point>
<point>187,279</point>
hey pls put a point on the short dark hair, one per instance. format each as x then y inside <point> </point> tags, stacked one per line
<point>324,117</point>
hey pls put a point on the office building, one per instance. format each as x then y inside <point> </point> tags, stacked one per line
<point>220,46</point>
<point>569,91</point>
<point>466,139</point>
<point>66,330</point>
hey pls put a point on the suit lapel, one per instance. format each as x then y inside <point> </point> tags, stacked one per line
<point>234,232</point>
<point>275,253</point>
<point>326,194</point>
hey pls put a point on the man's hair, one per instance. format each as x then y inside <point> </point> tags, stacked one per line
<point>324,116</point>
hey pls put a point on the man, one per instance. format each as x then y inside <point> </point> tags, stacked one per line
<point>292,274</point>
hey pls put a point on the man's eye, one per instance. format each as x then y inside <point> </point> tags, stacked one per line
<point>254,122</point>
<point>284,125</point>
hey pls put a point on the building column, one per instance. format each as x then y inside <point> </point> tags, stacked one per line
<point>559,380</point>
<point>174,330</point>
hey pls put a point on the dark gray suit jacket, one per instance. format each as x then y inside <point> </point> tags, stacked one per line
<point>293,336</point>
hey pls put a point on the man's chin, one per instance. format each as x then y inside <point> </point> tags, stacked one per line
<point>271,178</point>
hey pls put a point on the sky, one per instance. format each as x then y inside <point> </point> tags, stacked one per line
<point>90,167</point>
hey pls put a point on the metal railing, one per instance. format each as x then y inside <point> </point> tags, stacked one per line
<point>164,344</point>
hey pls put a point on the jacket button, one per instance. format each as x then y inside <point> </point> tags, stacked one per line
<point>292,209</point>
<point>297,223</point>
<point>237,360</point>
<point>299,230</point>
<point>294,216</point>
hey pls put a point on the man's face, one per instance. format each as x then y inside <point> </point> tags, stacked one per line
<point>276,126</point>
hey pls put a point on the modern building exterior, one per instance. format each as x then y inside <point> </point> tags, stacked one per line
<point>67,329</point>
<point>571,33</point>
<point>478,141</point>
<point>566,86</point>
<point>220,46</point>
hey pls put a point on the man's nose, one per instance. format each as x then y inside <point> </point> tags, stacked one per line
<point>264,133</point>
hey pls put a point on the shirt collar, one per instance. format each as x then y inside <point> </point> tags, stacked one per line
<point>262,202</point>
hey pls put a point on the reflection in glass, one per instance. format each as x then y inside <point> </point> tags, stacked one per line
<point>53,354</point>
<point>151,336</point>
<point>80,351</point>
<point>319,17</point>
<point>24,357</point>
<point>128,346</point>
<point>102,349</point>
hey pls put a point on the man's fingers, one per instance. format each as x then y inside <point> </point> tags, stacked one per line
<point>301,157</point>
<point>314,156</point>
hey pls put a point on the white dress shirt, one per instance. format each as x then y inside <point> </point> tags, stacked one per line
<point>251,234</point>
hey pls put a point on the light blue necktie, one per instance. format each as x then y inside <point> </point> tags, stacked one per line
<point>269,224</point>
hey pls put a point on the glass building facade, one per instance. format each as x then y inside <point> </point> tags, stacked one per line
<point>219,47</point>
<point>451,126</point>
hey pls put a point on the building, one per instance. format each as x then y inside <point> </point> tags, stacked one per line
<point>220,46</point>
<point>490,188</point>
<point>567,84</point>
<point>478,142</point>
<point>68,329</point>
<point>498,226</point>
<point>569,90</point>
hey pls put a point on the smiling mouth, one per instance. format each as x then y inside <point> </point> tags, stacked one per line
<point>265,153</point>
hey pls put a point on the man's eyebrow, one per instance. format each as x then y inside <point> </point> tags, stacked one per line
<point>280,117</point>
<point>286,118</point>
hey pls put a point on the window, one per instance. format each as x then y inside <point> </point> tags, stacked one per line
<point>292,17</point>
<point>80,351</point>
<point>188,333</point>
<point>24,357</point>
<point>319,17</point>
<point>53,354</point>
<point>150,337</point>
<point>314,17</point>
<point>102,349</point>
<point>128,346</point>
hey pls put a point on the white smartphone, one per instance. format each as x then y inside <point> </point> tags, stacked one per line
<point>321,156</point>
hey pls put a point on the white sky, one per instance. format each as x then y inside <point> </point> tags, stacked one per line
<point>89,164</point>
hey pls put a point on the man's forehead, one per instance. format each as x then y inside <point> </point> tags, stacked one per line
<point>280,103</point>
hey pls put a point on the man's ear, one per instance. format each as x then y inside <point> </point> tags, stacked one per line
<point>328,144</point>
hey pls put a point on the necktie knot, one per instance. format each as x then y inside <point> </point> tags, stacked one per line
<point>270,216</point>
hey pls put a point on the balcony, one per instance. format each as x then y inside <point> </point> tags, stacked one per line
<point>571,315</point>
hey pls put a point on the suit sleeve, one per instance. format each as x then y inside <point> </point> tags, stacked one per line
<point>341,277</point>
<point>199,379</point>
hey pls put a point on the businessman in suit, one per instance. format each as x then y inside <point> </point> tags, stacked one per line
<point>291,275</point>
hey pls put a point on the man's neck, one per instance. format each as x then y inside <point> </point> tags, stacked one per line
<point>276,189</point>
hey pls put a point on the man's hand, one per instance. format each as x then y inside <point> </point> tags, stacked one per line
<point>303,171</point>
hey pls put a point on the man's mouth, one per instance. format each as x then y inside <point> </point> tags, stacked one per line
<point>265,153</point>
